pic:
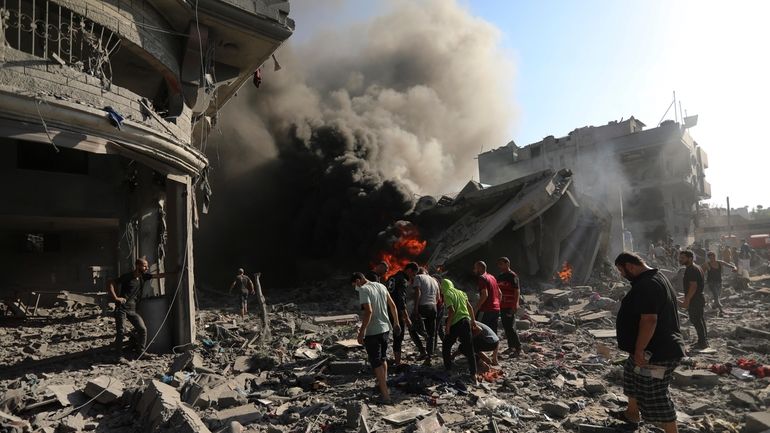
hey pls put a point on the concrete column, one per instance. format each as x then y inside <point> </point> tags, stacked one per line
<point>179,214</point>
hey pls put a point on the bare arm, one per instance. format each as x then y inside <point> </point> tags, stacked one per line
<point>647,324</point>
<point>691,289</point>
<point>365,320</point>
<point>473,315</point>
<point>729,265</point>
<point>484,294</point>
<point>113,293</point>
<point>251,286</point>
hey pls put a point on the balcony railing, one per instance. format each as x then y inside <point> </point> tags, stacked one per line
<point>48,30</point>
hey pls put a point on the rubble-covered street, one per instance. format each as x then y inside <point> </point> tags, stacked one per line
<point>310,375</point>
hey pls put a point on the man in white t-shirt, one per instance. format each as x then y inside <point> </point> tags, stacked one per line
<point>375,326</point>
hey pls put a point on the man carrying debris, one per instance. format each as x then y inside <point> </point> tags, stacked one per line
<point>508,282</point>
<point>244,285</point>
<point>425,295</point>
<point>694,301</point>
<point>488,307</point>
<point>375,326</point>
<point>127,291</point>
<point>713,270</point>
<point>648,329</point>
<point>459,326</point>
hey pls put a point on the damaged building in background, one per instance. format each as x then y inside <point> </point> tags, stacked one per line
<point>104,113</point>
<point>539,221</point>
<point>651,181</point>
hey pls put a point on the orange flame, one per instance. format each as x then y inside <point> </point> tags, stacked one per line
<point>565,275</point>
<point>405,249</point>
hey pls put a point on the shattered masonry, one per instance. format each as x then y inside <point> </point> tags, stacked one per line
<point>105,109</point>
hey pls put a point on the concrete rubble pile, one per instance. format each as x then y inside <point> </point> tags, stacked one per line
<point>310,375</point>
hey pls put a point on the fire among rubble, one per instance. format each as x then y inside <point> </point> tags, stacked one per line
<point>565,274</point>
<point>406,248</point>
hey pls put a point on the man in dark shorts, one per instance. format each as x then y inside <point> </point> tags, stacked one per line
<point>648,329</point>
<point>487,309</point>
<point>127,291</point>
<point>508,282</point>
<point>713,270</point>
<point>375,327</point>
<point>694,299</point>
<point>245,287</point>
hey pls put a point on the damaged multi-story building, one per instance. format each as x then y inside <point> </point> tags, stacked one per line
<point>105,109</point>
<point>650,180</point>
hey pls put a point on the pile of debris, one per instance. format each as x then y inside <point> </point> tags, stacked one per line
<point>310,375</point>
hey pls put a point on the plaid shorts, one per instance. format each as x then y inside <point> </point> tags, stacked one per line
<point>652,394</point>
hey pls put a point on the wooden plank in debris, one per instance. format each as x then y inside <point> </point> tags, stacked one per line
<point>345,318</point>
<point>405,416</point>
<point>602,333</point>
<point>595,316</point>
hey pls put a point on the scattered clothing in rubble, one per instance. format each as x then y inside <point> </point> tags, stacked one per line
<point>115,118</point>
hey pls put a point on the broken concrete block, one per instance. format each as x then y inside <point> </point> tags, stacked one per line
<point>229,398</point>
<point>104,389</point>
<point>68,395</point>
<point>345,367</point>
<point>405,416</point>
<point>695,378</point>
<point>556,409</point>
<point>178,379</point>
<point>756,422</point>
<point>744,399</point>
<point>72,424</point>
<point>242,364</point>
<point>181,362</point>
<point>523,325</point>
<point>245,414</point>
<point>594,387</point>
<point>233,427</point>
<point>37,348</point>
<point>157,404</point>
<point>185,420</point>
<point>14,423</point>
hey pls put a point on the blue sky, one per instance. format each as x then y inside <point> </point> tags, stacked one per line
<point>587,62</point>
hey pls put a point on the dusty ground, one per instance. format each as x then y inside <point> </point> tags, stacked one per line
<point>288,384</point>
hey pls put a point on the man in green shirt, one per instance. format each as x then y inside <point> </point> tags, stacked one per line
<point>460,322</point>
<point>375,325</point>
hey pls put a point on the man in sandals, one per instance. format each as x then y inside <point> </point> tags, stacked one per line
<point>648,329</point>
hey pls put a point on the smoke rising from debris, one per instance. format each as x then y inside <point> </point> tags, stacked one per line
<point>334,146</point>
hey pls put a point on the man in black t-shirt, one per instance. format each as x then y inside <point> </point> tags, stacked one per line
<point>694,300</point>
<point>648,329</point>
<point>397,285</point>
<point>127,291</point>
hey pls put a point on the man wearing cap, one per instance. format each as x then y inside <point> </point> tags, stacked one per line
<point>244,285</point>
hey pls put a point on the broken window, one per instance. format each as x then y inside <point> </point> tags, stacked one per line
<point>44,157</point>
<point>535,151</point>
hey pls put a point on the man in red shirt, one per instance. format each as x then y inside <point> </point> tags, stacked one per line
<point>508,282</point>
<point>488,307</point>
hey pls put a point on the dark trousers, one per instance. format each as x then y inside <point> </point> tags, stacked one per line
<point>695,310</point>
<point>428,317</point>
<point>440,322</point>
<point>715,287</point>
<point>459,331</point>
<point>489,318</point>
<point>121,315</point>
<point>508,317</point>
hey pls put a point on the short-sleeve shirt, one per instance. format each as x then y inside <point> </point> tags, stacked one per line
<point>242,283</point>
<point>651,293</point>
<point>693,273</point>
<point>488,282</point>
<point>458,302</point>
<point>132,288</point>
<point>376,295</point>
<point>428,289</point>
<point>397,285</point>
<point>508,282</point>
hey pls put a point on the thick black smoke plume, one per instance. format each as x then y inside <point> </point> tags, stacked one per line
<point>332,148</point>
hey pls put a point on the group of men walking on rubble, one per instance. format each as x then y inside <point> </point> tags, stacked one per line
<point>431,308</point>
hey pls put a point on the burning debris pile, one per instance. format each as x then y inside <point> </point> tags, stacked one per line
<point>311,375</point>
